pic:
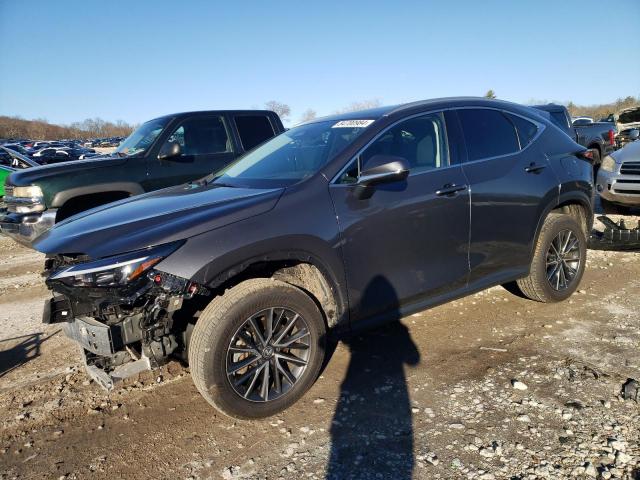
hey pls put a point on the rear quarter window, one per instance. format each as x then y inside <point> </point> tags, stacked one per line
<point>526,130</point>
<point>487,133</point>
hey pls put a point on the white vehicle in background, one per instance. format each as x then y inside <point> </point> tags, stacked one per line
<point>625,119</point>
<point>618,180</point>
<point>581,120</point>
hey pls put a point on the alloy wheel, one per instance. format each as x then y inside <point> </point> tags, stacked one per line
<point>268,354</point>
<point>563,260</point>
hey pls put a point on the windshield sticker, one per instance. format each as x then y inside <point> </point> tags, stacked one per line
<point>353,124</point>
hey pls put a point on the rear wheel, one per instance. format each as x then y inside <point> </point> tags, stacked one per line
<point>558,261</point>
<point>257,349</point>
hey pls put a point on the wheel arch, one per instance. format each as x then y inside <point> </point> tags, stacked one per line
<point>62,197</point>
<point>299,268</point>
<point>576,204</point>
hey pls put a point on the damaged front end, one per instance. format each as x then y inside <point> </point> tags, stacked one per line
<point>120,310</point>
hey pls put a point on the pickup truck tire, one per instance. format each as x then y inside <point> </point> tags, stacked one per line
<point>233,331</point>
<point>558,260</point>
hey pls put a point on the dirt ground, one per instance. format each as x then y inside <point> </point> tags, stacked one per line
<point>490,386</point>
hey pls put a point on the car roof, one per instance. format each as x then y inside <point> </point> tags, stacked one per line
<point>435,103</point>
<point>209,112</point>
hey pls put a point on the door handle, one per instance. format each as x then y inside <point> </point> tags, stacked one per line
<point>534,168</point>
<point>450,189</point>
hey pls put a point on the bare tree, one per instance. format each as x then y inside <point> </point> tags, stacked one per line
<point>362,105</point>
<point>308,114</point>
<point>490,94</point>
<point>282,109</point>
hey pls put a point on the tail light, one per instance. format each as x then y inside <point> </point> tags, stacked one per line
<point>612,138</point>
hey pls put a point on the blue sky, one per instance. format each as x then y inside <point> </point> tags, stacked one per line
<point>68,60</point>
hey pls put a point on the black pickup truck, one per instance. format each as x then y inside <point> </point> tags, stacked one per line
<point>162,152</point>
<point>597,136</point>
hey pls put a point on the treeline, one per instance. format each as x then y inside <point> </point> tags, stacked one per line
<point>598,112</point>
<point>40,129</point>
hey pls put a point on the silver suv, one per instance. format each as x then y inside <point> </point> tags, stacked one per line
<point>618,179</point>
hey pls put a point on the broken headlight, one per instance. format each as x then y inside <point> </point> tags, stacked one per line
<point>113,271</point>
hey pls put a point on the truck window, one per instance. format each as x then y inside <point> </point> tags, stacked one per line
<point>253,130</point>
<point>202,136</point>
<point>487,133</point>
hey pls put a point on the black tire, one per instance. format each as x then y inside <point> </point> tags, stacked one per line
<point>537,286</point>
<point>222,322</point>
<point>614,209</point>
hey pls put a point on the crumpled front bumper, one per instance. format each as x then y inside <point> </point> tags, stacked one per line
<point>26,227</point>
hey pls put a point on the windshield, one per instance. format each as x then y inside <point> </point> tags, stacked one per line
<point>293,155</point>
<point>142,138</point>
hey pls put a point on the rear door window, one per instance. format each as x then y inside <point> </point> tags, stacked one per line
<point>253,130</point>
<point>202,136</point>
<point>487,133</point>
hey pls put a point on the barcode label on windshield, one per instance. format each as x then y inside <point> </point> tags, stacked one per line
<point>353,124</point>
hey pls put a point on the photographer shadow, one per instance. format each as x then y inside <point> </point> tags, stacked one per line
<point>372,428</point>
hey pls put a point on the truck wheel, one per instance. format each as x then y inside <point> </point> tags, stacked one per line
<point>257,349</point>
<point>558,261</point>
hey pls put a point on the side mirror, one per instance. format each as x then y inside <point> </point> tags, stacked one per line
<point>384,169</point>
<point>381,169</point>
<point>634,134</point>
<point>170,151</point>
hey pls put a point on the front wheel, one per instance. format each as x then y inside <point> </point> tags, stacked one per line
<point>558,261</point>
<point>257,349</point>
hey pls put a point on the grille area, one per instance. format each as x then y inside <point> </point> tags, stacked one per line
<point>630,168</point>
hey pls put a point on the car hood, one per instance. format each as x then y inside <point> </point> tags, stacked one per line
<point>155,218</point>
<point>31,176</point>
<point>629,153</point>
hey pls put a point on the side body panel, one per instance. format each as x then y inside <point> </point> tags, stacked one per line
<point>405,243</point>
<point>509,194</point>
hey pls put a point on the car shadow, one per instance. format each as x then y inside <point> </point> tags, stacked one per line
<point>17,351</point>
<point>372,428</point>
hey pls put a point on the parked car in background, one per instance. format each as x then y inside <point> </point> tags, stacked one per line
<point>11,161</point>
<point>624,119</point>
<point>165,151</point>
<point>599,137</point>
<point>5,171</point>
<point>618,181</point>
<point>18,148</point>
<point>49,155</point>
<point>339,223</point>
<point>627,136</point>
<point>581,120</point>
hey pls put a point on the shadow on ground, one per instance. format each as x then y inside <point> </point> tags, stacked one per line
<point>17,351</point>
<point>372,428</point>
